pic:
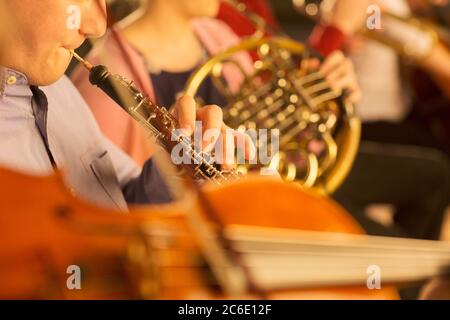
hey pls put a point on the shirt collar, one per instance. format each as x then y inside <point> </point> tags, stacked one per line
<point>13,83</point>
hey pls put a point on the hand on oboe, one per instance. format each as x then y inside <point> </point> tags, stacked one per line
<point>215,134</point>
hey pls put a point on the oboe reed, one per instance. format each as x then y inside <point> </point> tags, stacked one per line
<point>85,63</point>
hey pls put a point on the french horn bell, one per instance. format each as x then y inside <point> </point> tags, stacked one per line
<point>319,132</point>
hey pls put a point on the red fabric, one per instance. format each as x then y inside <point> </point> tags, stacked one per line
<point>326,39</point>
<point>240,24</point>
<point>263,9</point>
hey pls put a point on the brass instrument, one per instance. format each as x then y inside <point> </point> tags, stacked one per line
<point>158,121</point>
<point>297,102</point>
<point>412,37</point>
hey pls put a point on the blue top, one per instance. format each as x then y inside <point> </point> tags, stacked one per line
<point>169,85</point>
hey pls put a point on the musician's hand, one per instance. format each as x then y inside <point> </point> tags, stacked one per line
<point>339,72</point>
<point>215,134</point>
<point>350,16</point>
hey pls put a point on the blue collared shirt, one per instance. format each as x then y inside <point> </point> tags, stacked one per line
<point>94,168</point>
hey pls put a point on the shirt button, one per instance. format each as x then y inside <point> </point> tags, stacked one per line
<point>11,80</point>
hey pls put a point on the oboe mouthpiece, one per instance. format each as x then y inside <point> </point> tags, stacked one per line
<point>85,63</point>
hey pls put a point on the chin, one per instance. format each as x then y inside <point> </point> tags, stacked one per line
<point>51,72</point>
<point>51,79</point>
<point>47,78</point>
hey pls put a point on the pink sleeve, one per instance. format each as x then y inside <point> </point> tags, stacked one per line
<point>216,36</point>
<point>326,39</point>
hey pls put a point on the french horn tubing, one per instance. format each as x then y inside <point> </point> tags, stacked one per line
<point>319,132</point>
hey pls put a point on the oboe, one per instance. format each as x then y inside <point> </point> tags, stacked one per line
<point>157,120</point>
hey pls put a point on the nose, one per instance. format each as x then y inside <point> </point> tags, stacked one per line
<point>93,19</point>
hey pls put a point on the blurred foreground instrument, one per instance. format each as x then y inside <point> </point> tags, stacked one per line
<point>292,244</point>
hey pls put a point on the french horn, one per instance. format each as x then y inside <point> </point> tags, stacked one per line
<point>318,130</point>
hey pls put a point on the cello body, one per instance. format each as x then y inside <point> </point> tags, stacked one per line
<point>151,252</point>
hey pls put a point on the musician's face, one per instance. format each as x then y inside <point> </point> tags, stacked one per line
<point>3,28</point>
<point>199,8</point>
<point>43,32</point>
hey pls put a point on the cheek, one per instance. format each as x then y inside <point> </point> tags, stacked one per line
<point>41,25</point>
<point>45,42</point>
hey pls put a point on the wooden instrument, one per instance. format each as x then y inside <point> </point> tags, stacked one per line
<point>290,245</point>
<point>45,230</point>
